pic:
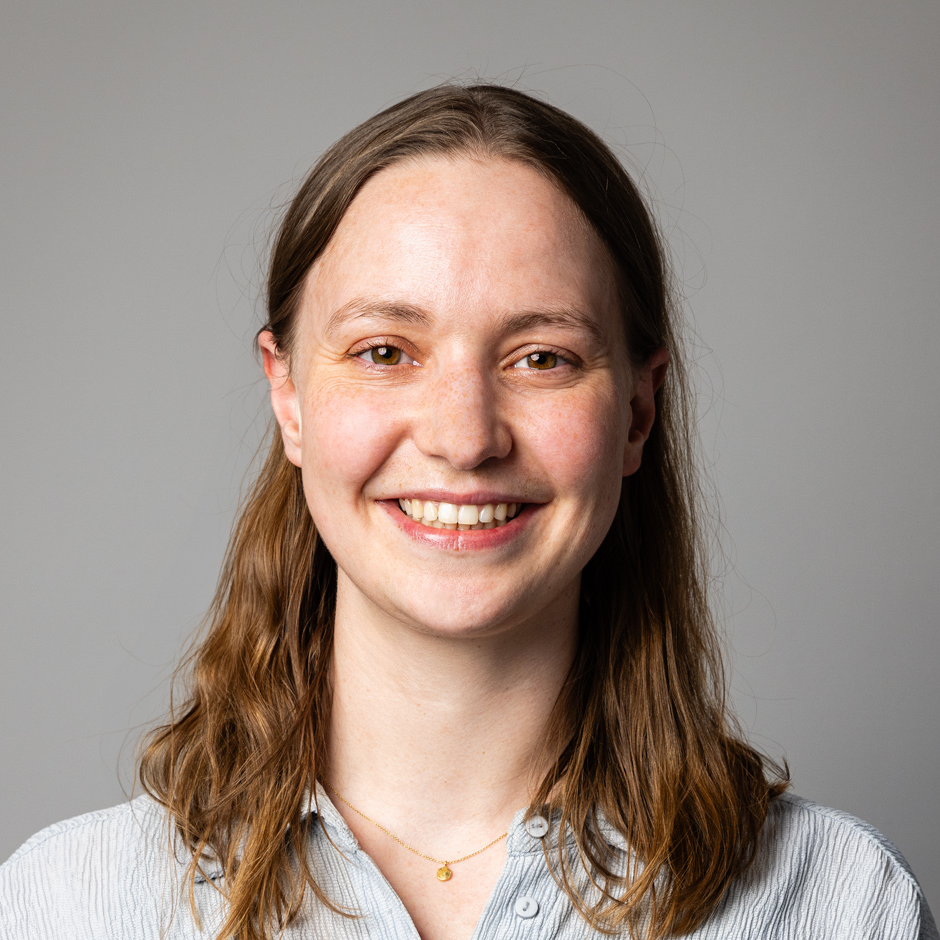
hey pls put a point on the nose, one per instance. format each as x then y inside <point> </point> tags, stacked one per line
<point>461,419</point>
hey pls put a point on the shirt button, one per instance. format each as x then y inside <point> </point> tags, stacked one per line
<point>537,826</point>
<point>526,907</point>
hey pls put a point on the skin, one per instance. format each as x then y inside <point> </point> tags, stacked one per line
<point>451,647</point>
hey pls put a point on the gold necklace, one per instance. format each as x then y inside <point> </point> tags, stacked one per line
<point>443,873</point>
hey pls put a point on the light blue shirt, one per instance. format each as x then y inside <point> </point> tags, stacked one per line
<point>819,875</point>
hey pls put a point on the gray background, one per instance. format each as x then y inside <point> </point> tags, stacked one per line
<point>791,150</point>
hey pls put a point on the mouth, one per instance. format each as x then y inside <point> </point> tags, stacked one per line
<point>460,516</point>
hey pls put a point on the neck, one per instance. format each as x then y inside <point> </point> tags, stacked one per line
<point>443,733</point>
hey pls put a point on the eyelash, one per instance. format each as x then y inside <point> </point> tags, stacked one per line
<point>379,344</point>
<point>562,359</point>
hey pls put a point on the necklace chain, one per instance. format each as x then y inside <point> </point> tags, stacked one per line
<point>443,873</point>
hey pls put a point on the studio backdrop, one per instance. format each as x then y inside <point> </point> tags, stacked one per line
<point>790,150</point>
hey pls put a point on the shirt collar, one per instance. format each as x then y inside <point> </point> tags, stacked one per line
<point>318,804</point>
<point>518,842</point>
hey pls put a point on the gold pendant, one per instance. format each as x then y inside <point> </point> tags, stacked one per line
<point>444,873</point>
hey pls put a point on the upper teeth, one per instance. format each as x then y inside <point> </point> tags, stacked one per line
<point>459,515</point>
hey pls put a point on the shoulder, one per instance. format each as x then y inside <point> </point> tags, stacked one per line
<point>823,873</point>
<point>110,873</point>
<point>114,825</point>
<point>794,821</point>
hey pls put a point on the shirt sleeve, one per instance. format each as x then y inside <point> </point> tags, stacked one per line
<point>842,878</point>
<point>108,874</point>
<point>45,893</point>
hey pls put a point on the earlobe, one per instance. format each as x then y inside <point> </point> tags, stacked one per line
<point>284,400</point>
<point>646,384</point>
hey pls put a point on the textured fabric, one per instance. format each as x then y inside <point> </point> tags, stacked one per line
<point>819,874</point>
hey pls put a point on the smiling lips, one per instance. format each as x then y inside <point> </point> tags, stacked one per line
<point>463,516</point>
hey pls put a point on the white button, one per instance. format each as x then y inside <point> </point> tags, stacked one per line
<point>537,826</point>
<point>527,907</point>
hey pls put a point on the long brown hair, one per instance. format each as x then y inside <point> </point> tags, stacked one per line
<point>642,729</point>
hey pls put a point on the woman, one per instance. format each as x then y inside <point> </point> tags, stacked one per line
<point>460,674</point>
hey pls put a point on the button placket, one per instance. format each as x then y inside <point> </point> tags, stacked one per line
<point>537,827</point>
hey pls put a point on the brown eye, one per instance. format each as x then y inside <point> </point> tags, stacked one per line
<point>541,360</point>
<point>385,355</point>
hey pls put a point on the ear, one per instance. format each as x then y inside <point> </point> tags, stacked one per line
<point>646,383</point>
<point>284,400</point>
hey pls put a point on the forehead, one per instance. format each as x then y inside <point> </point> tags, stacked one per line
<point>464,235</point>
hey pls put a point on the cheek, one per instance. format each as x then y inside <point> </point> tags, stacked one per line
<point>347,436</point>
<point>581,441</point>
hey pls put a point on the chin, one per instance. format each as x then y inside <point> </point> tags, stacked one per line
<point>462,620</point>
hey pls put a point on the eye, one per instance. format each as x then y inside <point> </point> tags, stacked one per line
<point>384,354</point>
<point>541,360</point>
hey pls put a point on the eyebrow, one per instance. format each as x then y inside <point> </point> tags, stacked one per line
<point>567,317</point>
<point>376,310</point>
<point>563,316</point>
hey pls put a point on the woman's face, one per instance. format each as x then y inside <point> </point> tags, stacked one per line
<point>460,342</point>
